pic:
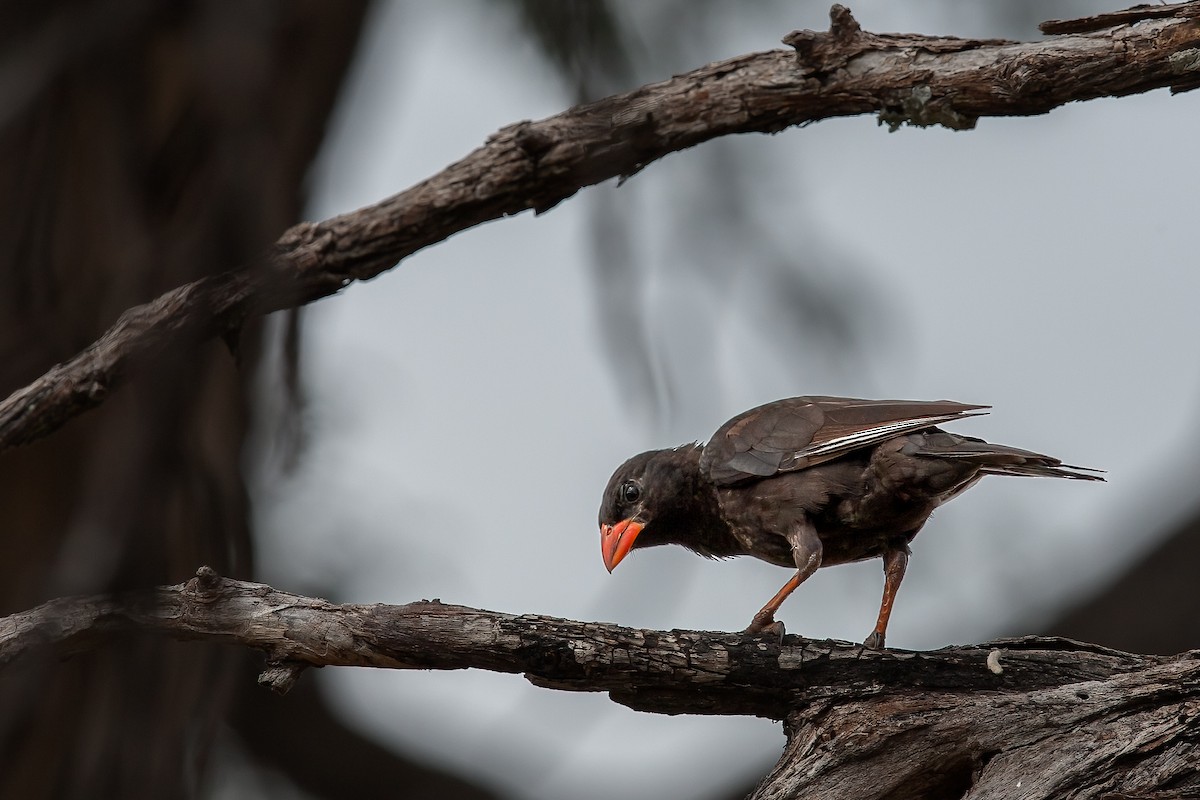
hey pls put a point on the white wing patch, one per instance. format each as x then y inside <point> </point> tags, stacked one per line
<point>862,438</point>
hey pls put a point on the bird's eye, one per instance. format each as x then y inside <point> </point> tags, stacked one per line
<point>630,492</point>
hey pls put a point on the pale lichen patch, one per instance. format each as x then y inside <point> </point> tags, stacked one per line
<point>1185,60</point>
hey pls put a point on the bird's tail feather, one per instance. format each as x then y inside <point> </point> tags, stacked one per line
<point>1047,471</point>
<point>999,459</point>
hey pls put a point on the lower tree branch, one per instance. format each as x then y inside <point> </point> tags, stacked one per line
<point>1029,717</point>
<point>664,671</point>
<point>845,71</point>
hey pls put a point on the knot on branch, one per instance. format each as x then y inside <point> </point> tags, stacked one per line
<point>207,583</point>
<point>824,53</point>
<point>530,139</point>
<point>842,24</point>
<point>843,29</point>
<point>305,266</point>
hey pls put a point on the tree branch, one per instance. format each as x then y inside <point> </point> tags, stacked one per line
<point>904,78</point>
<point>1038,713</point>
<point>648,670</point>
<point>1115,18</point>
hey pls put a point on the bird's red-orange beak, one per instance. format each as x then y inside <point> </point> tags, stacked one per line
<point>616,540</point>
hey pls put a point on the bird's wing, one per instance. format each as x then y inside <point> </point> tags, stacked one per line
<point>796,433</point>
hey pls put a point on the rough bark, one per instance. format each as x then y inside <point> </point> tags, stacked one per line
<point>1031,718</point>
<point>904,78</point>
<point>1126,735</point>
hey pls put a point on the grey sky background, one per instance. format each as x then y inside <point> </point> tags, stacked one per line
<point>464,416</point>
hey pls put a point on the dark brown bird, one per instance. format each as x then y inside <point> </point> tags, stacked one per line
<point>809,482</point>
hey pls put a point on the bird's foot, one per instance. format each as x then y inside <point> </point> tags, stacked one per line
<point>874,641</point>
<point>765,624</point>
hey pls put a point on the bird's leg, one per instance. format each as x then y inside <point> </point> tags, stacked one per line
<point>895,561</point>
<point>806,549</point>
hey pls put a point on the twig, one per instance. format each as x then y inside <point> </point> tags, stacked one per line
<point>1115,18</point>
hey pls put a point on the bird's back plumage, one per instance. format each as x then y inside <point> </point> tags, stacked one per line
<point>801,432</point>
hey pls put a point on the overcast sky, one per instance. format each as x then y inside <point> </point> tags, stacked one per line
<point>465,417</point>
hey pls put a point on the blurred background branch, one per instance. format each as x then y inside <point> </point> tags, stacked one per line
<point>538,164</point>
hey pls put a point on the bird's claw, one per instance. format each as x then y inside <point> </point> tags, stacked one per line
<point>765,626</point>
<point>874,641</point>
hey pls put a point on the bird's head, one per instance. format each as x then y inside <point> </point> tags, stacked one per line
<point>653,486</point>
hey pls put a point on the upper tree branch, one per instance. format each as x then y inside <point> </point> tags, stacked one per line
<point>921,80</point>
<point>1114,18</point>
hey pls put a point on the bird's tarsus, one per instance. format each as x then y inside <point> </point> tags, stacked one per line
<point>764,618</point>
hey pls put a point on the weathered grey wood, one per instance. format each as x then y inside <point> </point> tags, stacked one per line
<point>903,78</point>
<point>1032,718</point>
<point>1129,735</point>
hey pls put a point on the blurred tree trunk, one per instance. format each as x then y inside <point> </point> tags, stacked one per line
<point>145,145</point>
<point>1150,607</point>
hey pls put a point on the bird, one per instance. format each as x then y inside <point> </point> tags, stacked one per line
<point>810,482</point>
